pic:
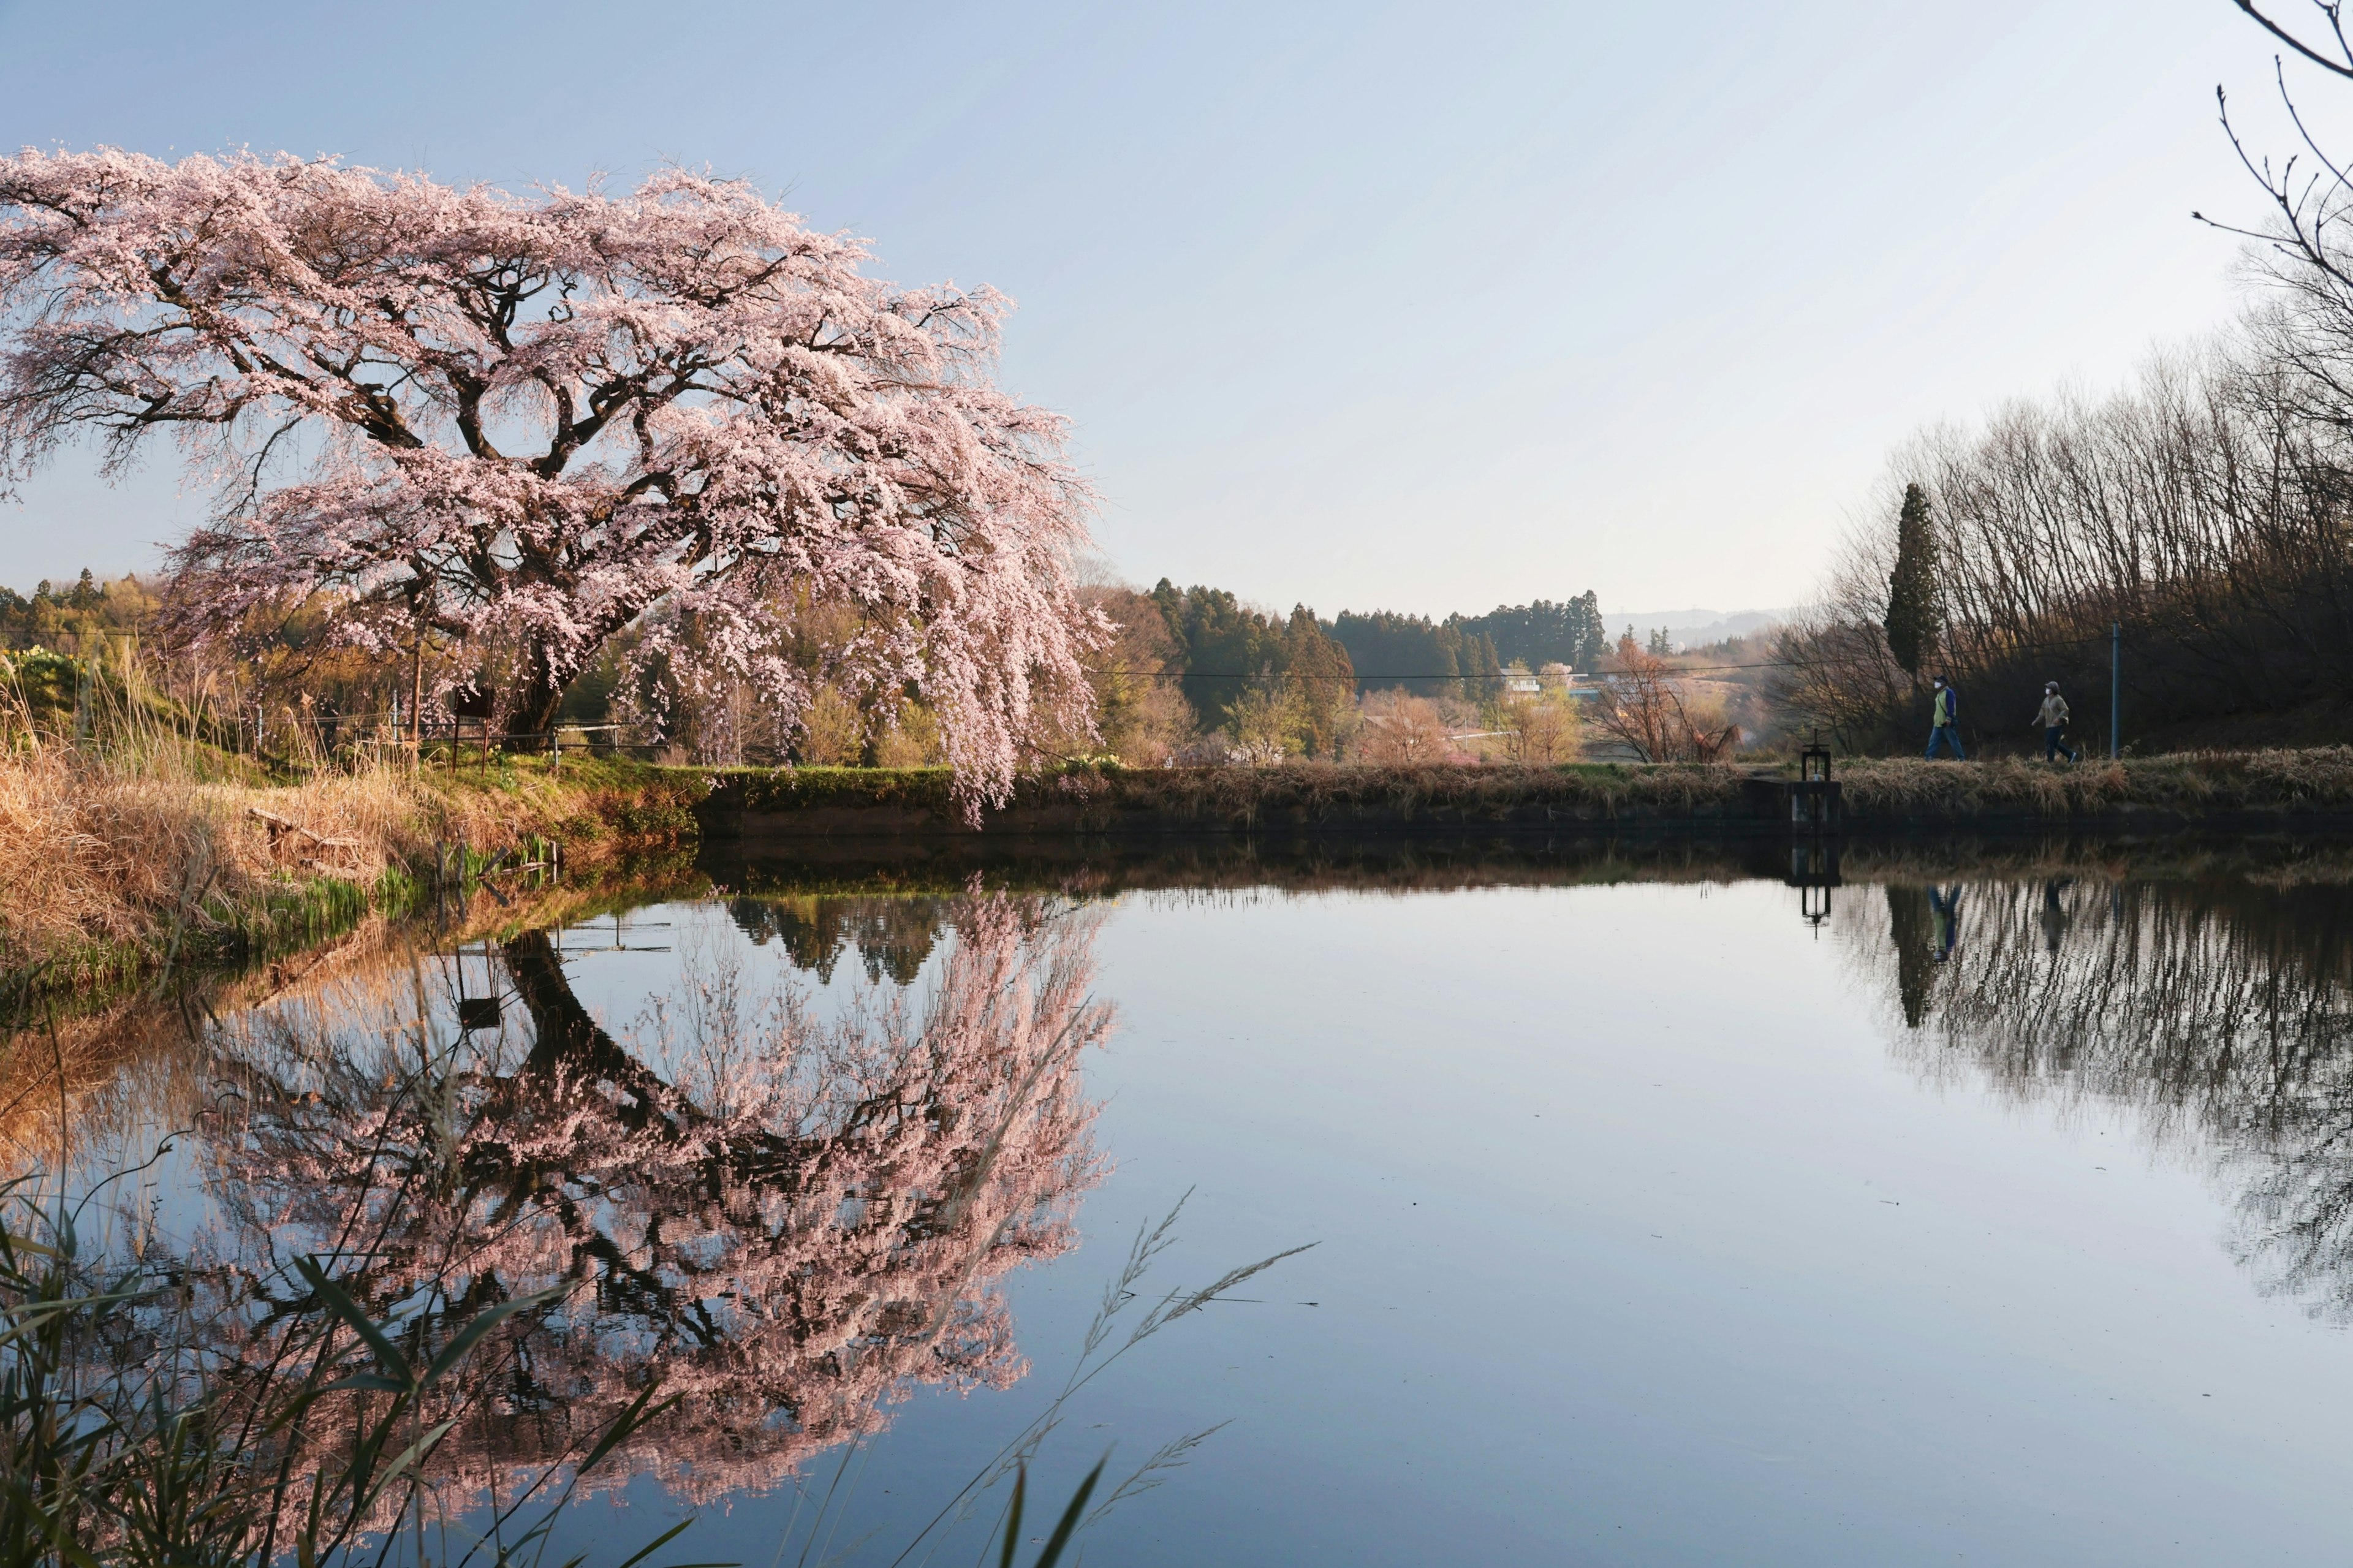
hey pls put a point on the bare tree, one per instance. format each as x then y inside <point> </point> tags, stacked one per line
<point>1543,728</point>
<point>1400,730</point>
<point>1642,708</point>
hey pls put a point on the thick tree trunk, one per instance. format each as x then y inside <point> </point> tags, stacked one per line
<point>538,700</point>
<point>566,1041</point>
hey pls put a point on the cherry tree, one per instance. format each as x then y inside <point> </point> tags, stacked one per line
<point>521,423</point>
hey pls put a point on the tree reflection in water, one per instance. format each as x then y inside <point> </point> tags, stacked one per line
<point>2221,1011</point>
<point>892,936</point>
<point>789,1221</point>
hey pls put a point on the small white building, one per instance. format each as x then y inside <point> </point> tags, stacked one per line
<point>1561,678</point>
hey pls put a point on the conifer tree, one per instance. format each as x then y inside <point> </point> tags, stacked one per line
<point>1912,619</point>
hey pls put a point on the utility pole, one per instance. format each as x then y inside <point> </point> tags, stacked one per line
<point>2115,689</point>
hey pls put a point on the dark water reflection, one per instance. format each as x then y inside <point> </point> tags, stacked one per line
<point>793,1157</point>
<point>2221,1011</point>
<point>892,937</point>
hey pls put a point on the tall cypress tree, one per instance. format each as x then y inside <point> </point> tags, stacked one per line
<point>1914,621</point>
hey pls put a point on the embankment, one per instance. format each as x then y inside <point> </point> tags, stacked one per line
<point>110,873</point>
<point>2210,791</point>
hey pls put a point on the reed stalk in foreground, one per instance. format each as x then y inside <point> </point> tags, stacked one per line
<point>121,1444</point>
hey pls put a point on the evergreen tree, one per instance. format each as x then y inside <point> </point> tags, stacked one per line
<point>1225,645</point>
<point>1323,684</point>
<point>1482,671</point>
<point>1914,621</point>
<point>1228,650</point>
<point>1386,647</point>
<point>1543,632</point>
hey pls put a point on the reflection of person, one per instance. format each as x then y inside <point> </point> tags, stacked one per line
<point>1944,710</point>
<point>2054,913</point>
<point>1947,909</point>
<point>2053,717</point>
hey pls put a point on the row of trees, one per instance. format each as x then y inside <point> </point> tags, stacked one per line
<point>1415,653</point>
<point>2206,510</point>
<point>2203,509</point>
<point>1534,635</point>
<point>1466,655</point>
<point>1197,673</point>
<point>55,616</point>
<point>1238,666</point>
<point>1188,674</point>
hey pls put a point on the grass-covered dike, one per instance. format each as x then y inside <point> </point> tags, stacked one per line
<point>2189,789</point>
<point>112,872</point>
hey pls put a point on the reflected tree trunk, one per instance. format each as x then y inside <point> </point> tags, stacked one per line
<point>786,1219</point>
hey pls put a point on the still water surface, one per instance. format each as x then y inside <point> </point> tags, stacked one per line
<point>1996,1218</point>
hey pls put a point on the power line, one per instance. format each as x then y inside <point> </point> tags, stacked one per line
<point>1318,675</point>
<point>2051,643</point>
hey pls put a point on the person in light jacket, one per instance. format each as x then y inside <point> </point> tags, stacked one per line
<point>2053,720</point>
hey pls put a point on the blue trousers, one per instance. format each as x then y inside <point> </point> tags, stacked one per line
<point>1948,734</point>
<point>2054,745</point>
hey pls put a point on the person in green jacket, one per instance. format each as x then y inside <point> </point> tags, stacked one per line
<point>1944,708</point>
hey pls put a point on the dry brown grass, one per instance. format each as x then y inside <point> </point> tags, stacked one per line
<point>2313,782</point>
<point>2316,780</point>
<point>111,862</point>
<point>1297,792</point>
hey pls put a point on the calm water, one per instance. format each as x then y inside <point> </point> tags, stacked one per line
<point>1996,1218</point>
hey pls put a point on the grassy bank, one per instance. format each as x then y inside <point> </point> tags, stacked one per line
<point>2314,782</point>
<point>113,867</point>
<point>1307,796</point>
<point>1300,792</point>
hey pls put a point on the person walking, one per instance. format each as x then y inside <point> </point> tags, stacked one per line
<point>1944,708</point>
<point>1945,909</point>
<point>2054,912</point>
<point>2053,717</point>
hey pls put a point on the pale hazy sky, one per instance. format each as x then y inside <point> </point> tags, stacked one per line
<point>1418,306</point>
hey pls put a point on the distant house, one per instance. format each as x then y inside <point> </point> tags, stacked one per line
<point>1557,678</point>
<point>1563,679</point>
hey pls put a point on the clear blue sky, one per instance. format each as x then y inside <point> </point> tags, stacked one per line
<point>1427,306</point>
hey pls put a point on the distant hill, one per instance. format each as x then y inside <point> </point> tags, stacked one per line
<point>1695,627</point>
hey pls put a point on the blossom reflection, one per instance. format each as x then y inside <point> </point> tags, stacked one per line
<point>787,1221</point>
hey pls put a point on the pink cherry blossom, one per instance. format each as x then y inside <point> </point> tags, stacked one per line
<point>519,424</point>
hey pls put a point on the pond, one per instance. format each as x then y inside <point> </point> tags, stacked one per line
<point>1655,1211</point>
